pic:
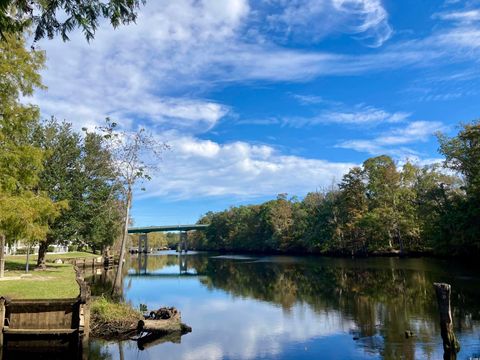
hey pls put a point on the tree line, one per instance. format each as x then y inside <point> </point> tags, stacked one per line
<point>59,185</point>
<point>378,207</point>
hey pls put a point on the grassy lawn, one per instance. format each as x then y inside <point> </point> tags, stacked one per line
<point>57,281</point>
<point>71,255</point>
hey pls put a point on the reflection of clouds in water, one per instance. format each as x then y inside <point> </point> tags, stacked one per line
<point>241,327</point>
<point>226,327</point>
<point>209,351</point>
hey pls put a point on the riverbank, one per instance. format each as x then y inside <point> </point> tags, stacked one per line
<point>113,320</point>
<point>429,253</point>
<point>57,281</point>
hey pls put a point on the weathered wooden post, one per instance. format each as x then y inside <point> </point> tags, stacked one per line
<point>2,321</point>
<point>2,255</point>
<point>83,308</point>
<point>450,343</point>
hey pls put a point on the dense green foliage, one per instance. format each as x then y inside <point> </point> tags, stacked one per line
<point>53,17</point>
<point>78,170</point>
<point>25,210</point>
<point>377,207</point>
<point>157,240</point>
<point>57,185</point>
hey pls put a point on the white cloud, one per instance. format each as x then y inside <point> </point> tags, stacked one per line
<point>309,99</point>
<point>462,16</point>
<point>415,131</point>
<point>158,69</point>
<point>389,142</point>
<point>363,114</point>
<point>199,168</point>
<point>157,72</point>
<point>316,19</point>
<point>360,115</point>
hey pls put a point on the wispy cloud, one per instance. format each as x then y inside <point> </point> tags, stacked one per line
<point>338,113</point>
<point>466,16</point>
<point>393,141</point>
<point>315,19</point>
<point>309,99</point>
<point>363,114</point>
<point>179,50</point>
<point>159,73</point>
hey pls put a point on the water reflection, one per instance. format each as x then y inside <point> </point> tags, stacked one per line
<point>302,308</point>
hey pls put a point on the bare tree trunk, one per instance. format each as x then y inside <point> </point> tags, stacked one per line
<point>450,342</point>
<point>117,286</point>
<point>2,255</point>
<point>27,263</point>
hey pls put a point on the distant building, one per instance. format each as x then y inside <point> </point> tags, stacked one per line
<point>20,248</point>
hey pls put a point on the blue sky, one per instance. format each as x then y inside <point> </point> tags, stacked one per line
<point>258,98</point>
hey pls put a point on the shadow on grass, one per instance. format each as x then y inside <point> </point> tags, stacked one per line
<point>16,265</point>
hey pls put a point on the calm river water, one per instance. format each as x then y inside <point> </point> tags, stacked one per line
<point>285,307</point>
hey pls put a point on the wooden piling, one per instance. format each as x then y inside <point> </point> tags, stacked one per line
<point>2,255</point>
<point>2,320</point>
<point>451,345</point>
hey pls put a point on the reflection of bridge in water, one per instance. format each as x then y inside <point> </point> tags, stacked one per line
<point>183,229</point>
<point>182,268</point>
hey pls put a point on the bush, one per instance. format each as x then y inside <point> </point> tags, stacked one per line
<point>72,248</point>
<point>51,248</point>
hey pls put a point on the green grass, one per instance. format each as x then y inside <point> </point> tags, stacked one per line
<point>108,311</point>
<point>56,282</point>
<point>111,319</point>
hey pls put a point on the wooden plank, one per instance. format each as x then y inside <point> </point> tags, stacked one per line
<point>7,330</point>
<point>42,302</point>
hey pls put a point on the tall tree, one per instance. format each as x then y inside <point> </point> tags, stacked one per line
<point>383,182</point>
<point>25,210</point>
<point>102,196</point>
<point>135,155</point>
<point>61,180</point>
<point>78,170</point>
<point>59,17</point>
<point>353,204</point>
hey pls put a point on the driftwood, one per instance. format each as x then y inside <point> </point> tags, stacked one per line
<point>165,313</point>
<point>163,325</point>
<point>450,343</point>
<point>164,320</point>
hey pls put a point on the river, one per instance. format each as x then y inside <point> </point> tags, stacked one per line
<point>288,307</point>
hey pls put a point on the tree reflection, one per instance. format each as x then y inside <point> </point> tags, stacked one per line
<point>382,297</point>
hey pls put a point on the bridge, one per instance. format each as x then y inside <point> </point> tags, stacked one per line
<point>149,229</point>
<point>143,231</point>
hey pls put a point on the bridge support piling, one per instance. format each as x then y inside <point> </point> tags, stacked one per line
<point>142,243</point>
<point>183,242</point>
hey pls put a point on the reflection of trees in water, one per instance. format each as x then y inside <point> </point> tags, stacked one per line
<point>97,351</point>
<point>382,300</point>
<point>100,281</point>
<point>384,297</point>
<point>150,263</point>
<point>141,262</point>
